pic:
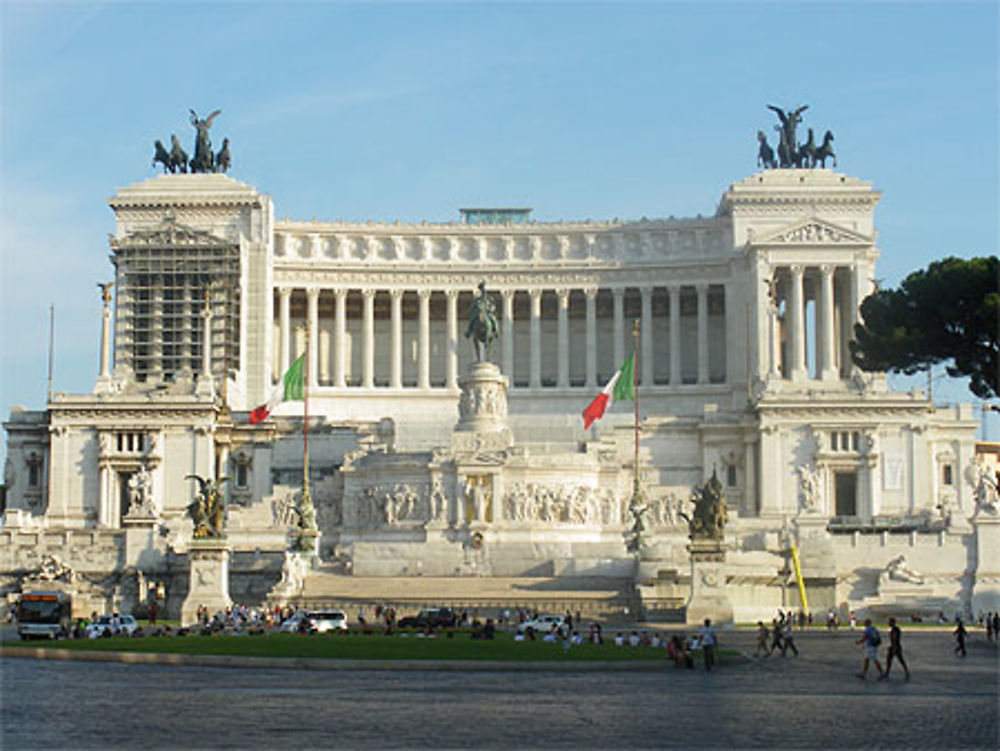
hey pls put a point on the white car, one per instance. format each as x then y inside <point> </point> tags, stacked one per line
<point>327,620</point>
<point>126,626</point>
<point>542,624</point>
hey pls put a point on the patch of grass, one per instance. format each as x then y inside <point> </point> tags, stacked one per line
<point>361,647</point>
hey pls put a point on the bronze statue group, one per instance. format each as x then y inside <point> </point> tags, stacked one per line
<point>790,152</point>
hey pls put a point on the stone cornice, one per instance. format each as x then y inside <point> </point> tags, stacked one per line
<point>186,190</point>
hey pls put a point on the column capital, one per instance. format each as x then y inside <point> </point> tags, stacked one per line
<point>827,269</point>
<point>536,294</point>
<point>424,294</point>
<point>796,269</point>
<point>645,292</point>
<point>563,295</point>
<point>507,294</point>
<point>312,293</point>
<point>618,292</point>
<point>369,294</point>
<point>285,291</point>
<point>451,294</point>
<point>701,287</point>
<point>340,294</point>
<point>590,292</point>
<point>396,294</point>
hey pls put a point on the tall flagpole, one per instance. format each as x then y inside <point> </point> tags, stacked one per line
<point>305,426</point>
<point>635,392</point>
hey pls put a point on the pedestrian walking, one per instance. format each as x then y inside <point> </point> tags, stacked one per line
<point>871,639</point>
<point>789,640</point>
<point>778,642</point>
<point>708,642</point>
<point>762,634</point>
<point>996,625</point>
<point>960,633</point>
<point>895,649</point>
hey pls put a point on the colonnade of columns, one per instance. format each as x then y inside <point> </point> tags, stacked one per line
<point>575,347</point>
<point>835,295</point>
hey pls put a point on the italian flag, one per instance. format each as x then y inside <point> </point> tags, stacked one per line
<point>621,388</point>
<point>291,389</point>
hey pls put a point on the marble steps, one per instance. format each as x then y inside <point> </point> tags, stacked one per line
<point>591,595</point>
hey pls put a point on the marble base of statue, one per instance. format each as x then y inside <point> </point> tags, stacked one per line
<point>709,597</point>
<point>209,578</point>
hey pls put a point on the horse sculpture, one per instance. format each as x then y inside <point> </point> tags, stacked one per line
<point>178,157</point>
<point>222,159</point>
<point>161,155</point>
<point>203,160</point>
<point>765,154</point>
<point>825,150</point>
<point>482,328</point>
<point>807,152</point>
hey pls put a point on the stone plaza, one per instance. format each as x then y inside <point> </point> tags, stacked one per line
<point>812,701</point>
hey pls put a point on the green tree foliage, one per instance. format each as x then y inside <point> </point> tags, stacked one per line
<point>949,312</point>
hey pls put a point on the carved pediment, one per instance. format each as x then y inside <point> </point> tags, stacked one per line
<point>169,235</point>
<point>814,232</point>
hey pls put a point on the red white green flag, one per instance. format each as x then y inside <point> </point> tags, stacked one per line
<point>621,388</point>
<point>291,389</point>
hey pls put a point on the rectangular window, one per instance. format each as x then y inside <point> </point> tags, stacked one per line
<point>833,441</point>
<point>241,476</point>
<point>946,475</point>
<point>845,487</point>
<point>731,476</point>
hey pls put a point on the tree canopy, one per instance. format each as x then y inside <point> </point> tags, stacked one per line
<point>946,313</point>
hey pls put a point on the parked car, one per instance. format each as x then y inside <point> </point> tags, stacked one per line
<point>542,624</point>
<point>106,625</point>
<point>322,621</point>
<point>430,617</point>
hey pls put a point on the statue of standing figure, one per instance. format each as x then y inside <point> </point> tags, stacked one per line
<point>788,150</point>
<point>208,509</point>
<point>483,328</point>
<point>204,159</point>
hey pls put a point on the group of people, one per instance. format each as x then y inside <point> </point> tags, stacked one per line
<point>779,637</point>
<point>872,640</point>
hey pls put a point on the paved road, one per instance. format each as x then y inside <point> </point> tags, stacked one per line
<point>813,701</point>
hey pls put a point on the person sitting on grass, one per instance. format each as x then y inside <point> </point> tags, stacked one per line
<point>619,640</point>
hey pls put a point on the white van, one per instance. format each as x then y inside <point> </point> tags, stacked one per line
<point>327,620</point>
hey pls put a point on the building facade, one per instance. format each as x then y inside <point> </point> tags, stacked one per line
<point>744,371</point>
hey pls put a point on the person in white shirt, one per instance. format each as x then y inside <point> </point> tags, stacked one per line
<point>708,642</point>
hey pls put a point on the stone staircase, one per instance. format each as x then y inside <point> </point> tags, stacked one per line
<point>594,597</point>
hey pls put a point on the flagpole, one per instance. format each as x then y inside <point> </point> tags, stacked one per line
<point>635,391</point>
<point>305,426</point>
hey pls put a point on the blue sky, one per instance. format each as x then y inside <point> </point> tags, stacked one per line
<point>410,110</point>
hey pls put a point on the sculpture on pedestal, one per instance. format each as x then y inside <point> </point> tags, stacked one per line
<point>708,520</point>
<point>176,160</point>
<point>483,328</point>
<point>208,509</point>
<point>790,152</point>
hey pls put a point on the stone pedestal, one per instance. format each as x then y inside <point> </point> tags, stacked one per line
<point>986,589</point>
<point>709,598</point>
<point>482,409</point>
<point>209,578</point>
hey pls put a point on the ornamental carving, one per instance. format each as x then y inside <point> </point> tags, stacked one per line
<point>563,504</point>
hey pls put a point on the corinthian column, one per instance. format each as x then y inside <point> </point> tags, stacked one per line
<point>828,369</point>
<point>536,338</point>
<point>507,338</point>
<point>675,336</point>
<point>619,319</point>
<point>396,355</point>
<point>797,320</point>
<point>563,343</point>
<point>368,367</point>
<point>424,365</point>
<point>702,290</point>
<point>591,374</point>
<point>451,296</point>
<point>646,336</point>
<point>285,318</point>
<point>312,321</point>
<point>340,334</point>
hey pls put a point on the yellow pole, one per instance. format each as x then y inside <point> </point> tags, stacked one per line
<point>799,581</point>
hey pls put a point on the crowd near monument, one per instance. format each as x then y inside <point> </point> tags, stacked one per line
<point>381,448</point>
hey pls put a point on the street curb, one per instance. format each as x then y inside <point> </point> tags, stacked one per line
<point>303,663</point>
